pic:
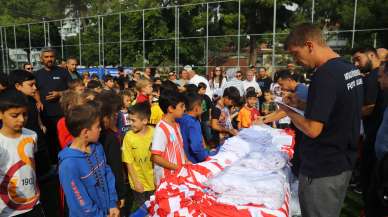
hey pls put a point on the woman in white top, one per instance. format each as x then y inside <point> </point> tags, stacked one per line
<point>216,81</point>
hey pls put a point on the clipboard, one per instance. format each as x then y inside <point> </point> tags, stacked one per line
<point>279,101</point>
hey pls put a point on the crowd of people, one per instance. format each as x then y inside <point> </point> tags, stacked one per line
<point>111,140</point>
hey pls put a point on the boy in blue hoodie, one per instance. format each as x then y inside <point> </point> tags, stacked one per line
<point>193,141</point>
<point>87,180</point>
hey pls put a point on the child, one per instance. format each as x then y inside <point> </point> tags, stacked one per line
<point>268,105</point>
<point>90,95</point>
<point>167,144</point>
<point>156,111</point>
<point>109,83</point>
<point>68,100</point>
<point>248,114</point>
<point>85,78</point>
<point>193,141</point>
<point>95,85</point>
<point>24,82</point>
<point>122,119</point>
<point>206,105</point>
<point>111,139</point>
<point>221,122</point>
<point>144,89</point>
<point>86,178</point>
<point>76,86</point>
<point>136,153</point>
<point>20,193</point>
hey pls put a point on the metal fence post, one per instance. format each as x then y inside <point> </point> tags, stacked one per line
<point>144,49</point>
<point>354,22</point>
<point>121,42</point>
<point>29,41</point>
<point>61,38</point>
<point>6,50</point>
<point>99,41</point>
<point>177,35</point>
<point>102,41</point>
<point>44,33</point>
<point>207,39</point>
<point>176,61</point>
<point>238,34</point>
<point>312,11</point>
<point>14,39</point>
<point>2,49</point>
<point>79,41</point>
<point>274,36</point>
<point>48,34</point>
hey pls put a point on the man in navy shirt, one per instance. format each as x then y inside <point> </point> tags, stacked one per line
<point>191,129</point>
<point>375,102</point>
<point>331,122</point>
<point>51,81</point>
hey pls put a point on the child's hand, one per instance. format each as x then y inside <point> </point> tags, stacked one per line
<point>139,187</point>
<point>43,128</point>
<point>121,203</point>
<point>39,106</point>
<point>259,120</point>
<point>114,212</point>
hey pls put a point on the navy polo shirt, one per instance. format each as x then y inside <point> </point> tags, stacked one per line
<point>55,80</point>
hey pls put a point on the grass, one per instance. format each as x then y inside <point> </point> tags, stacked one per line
<point>352,205</point>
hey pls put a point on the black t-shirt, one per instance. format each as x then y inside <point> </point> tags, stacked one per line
<point>373,95</point>
<point>121,81</point>
<point>335,99</point>
<point>215,114</point>
<point>264,83</point>
<point>206,106</point>
<point>33,117</point>
<point>371,87</point>
<point>111,143</point>
<point>47,81</point>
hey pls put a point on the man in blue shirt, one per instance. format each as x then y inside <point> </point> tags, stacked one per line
<point>288,82</point>
<point>381,144</point>
<point>190,126</point>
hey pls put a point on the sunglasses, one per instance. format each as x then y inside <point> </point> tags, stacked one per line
<point>29,68</point>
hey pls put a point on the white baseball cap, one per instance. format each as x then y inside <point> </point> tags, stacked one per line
<point>188,68</point>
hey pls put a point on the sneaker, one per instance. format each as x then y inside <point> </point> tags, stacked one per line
<point>357,189</point>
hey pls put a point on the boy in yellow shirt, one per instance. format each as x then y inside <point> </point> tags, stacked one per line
<point>156,111</point>
<point>137,155</point>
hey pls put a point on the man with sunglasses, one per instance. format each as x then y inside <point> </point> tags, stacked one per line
<point>28,67</point>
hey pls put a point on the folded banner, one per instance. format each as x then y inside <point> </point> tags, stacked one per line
<point>189,191</point>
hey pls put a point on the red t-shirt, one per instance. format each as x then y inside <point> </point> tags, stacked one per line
<point>64,135</point>
<point>142,98</point>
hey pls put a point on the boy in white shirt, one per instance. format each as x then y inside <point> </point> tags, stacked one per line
<point>19,190</point>
<point>167,146</point>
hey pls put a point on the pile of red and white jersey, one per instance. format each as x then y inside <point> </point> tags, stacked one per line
<point>248,177</point>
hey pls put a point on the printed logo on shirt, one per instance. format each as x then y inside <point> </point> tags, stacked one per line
<point>350,75</point>
<point>15,191</point>
<point>56,78</point>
